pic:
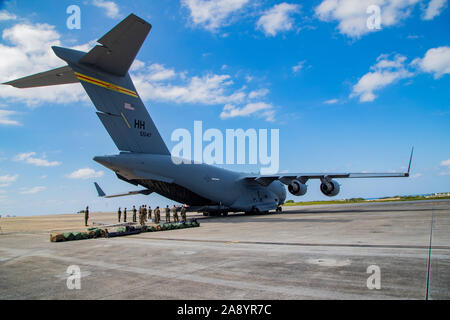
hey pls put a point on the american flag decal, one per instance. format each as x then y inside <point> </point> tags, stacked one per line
<point>128,106</point>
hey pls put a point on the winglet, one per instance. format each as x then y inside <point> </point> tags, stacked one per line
<point>410,160</point>
<point>99,190</point>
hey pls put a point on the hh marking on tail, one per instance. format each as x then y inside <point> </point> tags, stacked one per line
<point>139,124</point>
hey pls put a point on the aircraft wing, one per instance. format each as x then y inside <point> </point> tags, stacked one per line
<point>265,180</point>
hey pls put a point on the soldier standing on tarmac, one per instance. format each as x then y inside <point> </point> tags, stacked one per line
<point>157,213</point>
<point>167,214</point>
<point>134,214</point>
<point>141,216</point>
<point>86,216</point>
<point>174,213</point>
<point>149,213</point>
<point>145,212</point>
<point>125,215</point>
<point>183,213</point>
<point>119,213</point>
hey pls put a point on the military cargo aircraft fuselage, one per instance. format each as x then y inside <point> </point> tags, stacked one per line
<point>144,158</point>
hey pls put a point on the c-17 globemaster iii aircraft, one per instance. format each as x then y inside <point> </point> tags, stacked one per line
<point>144,158</point>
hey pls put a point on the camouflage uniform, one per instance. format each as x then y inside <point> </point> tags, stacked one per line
<point>183,214</point>
<point>174,213</point>
<point>141,216</point>
<point>86,216</point>
<point>157,213</point>
<point>167,214</point>
<point>125,215</point>
<point>150,213</point>
<point>119,213</point>
<point>134,214</point>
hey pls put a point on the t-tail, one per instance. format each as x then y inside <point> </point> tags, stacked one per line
<point>103,72</point>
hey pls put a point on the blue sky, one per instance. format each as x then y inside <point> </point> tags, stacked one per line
<point>345,97</point>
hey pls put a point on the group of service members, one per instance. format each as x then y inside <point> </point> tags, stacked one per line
<point>145,214</point>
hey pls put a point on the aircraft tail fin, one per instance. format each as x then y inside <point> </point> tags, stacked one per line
<point>119,46</point>
<point>103,72</point>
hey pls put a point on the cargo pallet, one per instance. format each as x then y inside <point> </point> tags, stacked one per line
<point>93,233</point>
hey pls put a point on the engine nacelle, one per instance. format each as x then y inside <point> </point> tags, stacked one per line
<point>297,188</point>
<point>330,188</point>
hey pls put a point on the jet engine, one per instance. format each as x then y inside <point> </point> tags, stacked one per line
<point>329,188</point>
<point>297,188</point>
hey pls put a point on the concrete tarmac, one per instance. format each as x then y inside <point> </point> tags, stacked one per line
<point>308,252</point>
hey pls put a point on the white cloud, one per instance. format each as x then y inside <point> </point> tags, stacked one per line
<point>256,94</point>
<point>111,8</point>
<point>40,162</point>
<point>231,111</point>
<point>32,190</point>
<point>208,89</point>
<point>30,52</point>
<point>6,180</point>
<point>445,163</point>
<point>159,83</point>
<point>298,66</point>
<point>213,14</point>
<point>278,19</point>
<point>416,175</point>
<point>157,72</point>
<point>352,15</point>
<point>434,8</point>
<point>436,60</point>
<point>6,120</point>
<point>85,173</point>
<point>331,101</point>
<point>386,71</point>
<point>5,16</point>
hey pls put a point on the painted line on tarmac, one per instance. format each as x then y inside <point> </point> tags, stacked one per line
<point>351,245</point>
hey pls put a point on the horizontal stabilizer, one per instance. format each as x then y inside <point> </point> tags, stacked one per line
<point>63,75</point>
<point>130,193</point>
<point>119,46</point>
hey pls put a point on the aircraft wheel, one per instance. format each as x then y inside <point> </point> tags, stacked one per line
<point>206,214</point>
<point>225,214</point>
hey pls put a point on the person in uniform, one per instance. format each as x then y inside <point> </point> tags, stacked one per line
<point>149,213</point>
<point>145,212</point>
<point>167,214</point>
<point>174,213</point>
<point>125,215</point>
<point>119,213</point>
<point>86,216</point>
<point>134,214</point>
<point>157,215</point>
<point>141,216</point>
<point>183,213</point>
